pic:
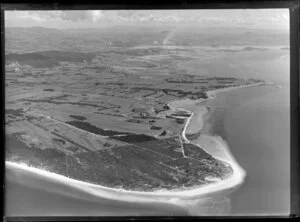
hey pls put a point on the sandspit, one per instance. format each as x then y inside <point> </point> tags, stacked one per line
<point>164,196</point>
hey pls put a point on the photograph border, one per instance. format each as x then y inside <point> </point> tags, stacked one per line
<point>292,5</point>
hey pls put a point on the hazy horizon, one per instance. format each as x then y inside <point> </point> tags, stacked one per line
<point>67,19</point>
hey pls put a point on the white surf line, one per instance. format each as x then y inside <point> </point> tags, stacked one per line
<point>213,92</point>
<point>70,181</point>
<point>175,196</point>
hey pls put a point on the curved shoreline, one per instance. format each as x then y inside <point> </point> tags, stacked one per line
<point>132,196</point>
<point>170,196</point>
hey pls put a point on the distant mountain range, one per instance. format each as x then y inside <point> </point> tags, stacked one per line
<point>33,39</point>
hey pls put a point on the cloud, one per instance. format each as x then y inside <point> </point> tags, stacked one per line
<point>74,16</point>
<point>67,18</point>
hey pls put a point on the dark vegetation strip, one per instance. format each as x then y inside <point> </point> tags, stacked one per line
<point>182,93</point>
<point>59,97</point>
<point>134,138</point>
<point>94,129</point>
<point>183,81</point>
<point>77,117</point>
<point>150,94</point>
<point>115,135</point>
<point>70,103</point>
<point>113,83</point>
<point>15,112</point>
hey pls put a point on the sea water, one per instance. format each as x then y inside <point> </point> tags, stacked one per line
<point>258,133</point>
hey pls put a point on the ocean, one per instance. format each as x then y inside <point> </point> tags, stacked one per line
<point>258,134</point>
<point>255,125</point>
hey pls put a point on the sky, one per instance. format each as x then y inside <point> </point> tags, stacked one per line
<point>253,18</point>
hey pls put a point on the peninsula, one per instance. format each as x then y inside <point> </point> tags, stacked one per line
<point>118,122</point>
